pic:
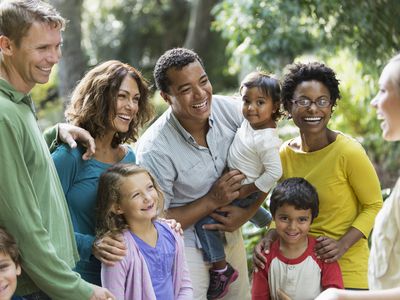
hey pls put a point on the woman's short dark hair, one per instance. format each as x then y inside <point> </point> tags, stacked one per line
<point>298,73</point>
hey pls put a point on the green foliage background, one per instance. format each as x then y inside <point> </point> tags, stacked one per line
<point>355,38</point>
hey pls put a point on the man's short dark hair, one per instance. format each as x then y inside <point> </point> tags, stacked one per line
<point>175,58</point>
<point>295,191</point>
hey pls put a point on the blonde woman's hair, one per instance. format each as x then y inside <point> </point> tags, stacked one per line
<point>395,60</point>
<point>109,193</point>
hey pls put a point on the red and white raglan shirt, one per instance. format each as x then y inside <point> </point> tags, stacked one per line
<point>302,278</point>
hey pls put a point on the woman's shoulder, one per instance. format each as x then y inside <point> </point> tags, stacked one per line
<point>348,144</point>
<point>293,144</point>
<point>65,156</point>
<point>129,156</point>
<point>66,150</point>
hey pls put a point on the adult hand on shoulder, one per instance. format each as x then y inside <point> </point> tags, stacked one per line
<point>226,188</point>
<point>109,249</point>
<point>174,224</point>
<point>263,246</point>
<point>231,219</point>
<point>328,249</point>
<point>100,293</point>
<point>70,134</point>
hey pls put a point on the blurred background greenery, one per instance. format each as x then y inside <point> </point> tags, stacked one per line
<point>233,37</point>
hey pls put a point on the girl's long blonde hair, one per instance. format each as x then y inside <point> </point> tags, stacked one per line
<point>109,193</point>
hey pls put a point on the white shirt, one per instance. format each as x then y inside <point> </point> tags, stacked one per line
<point>384,260</point>
<point>256,154</point>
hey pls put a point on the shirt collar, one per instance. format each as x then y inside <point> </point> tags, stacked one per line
<point>15,96</point>
<point>185,134</point>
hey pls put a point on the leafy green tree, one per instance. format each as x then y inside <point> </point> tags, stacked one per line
<point>272,33</point>
<point>138,32</point>
<point>356,38</point>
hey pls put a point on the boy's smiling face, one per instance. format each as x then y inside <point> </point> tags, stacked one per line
<point>292,224</point>
<point>9,271</point>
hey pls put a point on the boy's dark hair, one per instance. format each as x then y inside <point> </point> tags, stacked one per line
<point>174,58</point>
<point>9,246</point>
<point>295,191</point>
<point>268,85</point>
<point>297,73</point>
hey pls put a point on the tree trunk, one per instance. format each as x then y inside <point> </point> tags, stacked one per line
<point>72,65</point>
<point>198,34</point>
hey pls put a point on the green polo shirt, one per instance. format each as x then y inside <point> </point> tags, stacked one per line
<point>32,204</point>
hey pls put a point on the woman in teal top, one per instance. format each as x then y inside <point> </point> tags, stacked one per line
<point>111,102</point>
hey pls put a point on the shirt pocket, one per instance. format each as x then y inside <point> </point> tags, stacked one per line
<point>195,178</point>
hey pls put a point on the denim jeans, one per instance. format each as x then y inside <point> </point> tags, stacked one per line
<point>200,270</point>
<point>212,241</point>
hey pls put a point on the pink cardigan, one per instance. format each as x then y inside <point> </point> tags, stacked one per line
<point>130,279</point>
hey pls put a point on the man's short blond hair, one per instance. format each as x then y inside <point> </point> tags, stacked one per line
<point>17,16</point>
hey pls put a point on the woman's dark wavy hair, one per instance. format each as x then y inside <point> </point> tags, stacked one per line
<point>297,73</point>
<point>93,102</point>
<point>295,191</point>
<point>268,85</point>
<point>109,193</point>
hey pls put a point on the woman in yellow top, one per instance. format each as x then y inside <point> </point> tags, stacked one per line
<point>337,166</point>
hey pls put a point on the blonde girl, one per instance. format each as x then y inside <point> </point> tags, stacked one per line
<point>128,203</point>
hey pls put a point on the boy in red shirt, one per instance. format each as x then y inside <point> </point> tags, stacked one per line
<point>292,266</point>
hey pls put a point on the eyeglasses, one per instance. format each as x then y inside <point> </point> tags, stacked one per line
<point>321,102</point>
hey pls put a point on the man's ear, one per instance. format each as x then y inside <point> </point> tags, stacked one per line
<point>166,97</point>
<point>6,46</point>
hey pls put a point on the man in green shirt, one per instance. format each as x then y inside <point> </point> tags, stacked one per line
<point>32,204</point>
